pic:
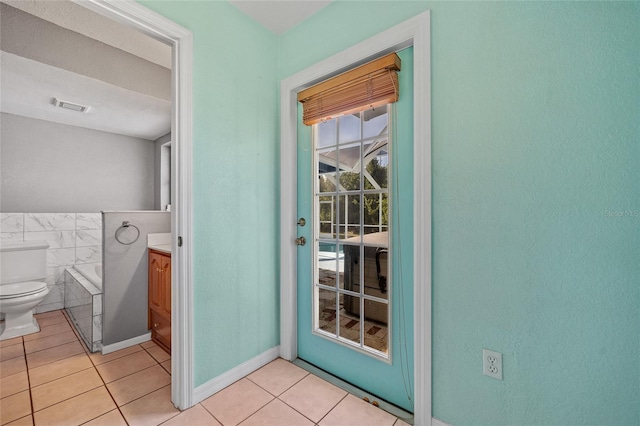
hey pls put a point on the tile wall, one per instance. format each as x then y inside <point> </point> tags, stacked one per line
<point>83,303</point>
<point>73,238</point>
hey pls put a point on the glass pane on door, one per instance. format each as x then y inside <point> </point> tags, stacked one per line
<point>352,274</point>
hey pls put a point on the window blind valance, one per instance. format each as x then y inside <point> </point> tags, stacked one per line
<point>367,86</point>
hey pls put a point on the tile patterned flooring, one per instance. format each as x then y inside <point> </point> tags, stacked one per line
<point>49,378</point>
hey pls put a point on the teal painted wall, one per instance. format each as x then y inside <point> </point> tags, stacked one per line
<point>536,202</point>
<point>535,149</point>
<point>235,184</point>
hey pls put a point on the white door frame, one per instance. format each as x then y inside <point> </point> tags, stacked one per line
<point>157,26</point>
<point>414,32</point>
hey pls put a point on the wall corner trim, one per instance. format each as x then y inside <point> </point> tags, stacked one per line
<point>216,384</point>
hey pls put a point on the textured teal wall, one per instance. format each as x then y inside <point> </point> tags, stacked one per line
<point>536,133</point>
<point>536,201</point>
<point>235,184</point>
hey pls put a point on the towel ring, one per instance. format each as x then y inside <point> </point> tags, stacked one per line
<point>124,226</point>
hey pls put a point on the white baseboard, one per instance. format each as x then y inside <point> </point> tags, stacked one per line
<point>125,343</point>
<point>216,384</point>
<point>438,422</point>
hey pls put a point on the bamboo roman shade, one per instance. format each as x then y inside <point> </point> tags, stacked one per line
<point>367,86</point>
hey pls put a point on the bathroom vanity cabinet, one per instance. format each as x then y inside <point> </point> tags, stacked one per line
<point>159,321</point>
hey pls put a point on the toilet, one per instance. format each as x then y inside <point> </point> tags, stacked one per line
<point>23,269</point>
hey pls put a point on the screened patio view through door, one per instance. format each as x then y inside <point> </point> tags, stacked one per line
<point>354,188</point>
<point>352,219</point>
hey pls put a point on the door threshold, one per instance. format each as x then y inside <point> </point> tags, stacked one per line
<point>394,410</point>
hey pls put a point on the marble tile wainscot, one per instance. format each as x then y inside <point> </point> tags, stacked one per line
<point>73,238</point>
<point>83,303</point>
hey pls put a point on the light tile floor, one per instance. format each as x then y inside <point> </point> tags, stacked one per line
<point>49,378</point>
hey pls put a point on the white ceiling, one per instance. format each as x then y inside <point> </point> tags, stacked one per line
<point>279,16</point>
<point>28,88</point>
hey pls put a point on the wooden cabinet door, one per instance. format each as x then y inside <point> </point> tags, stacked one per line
<point>161,331</point>
<point>155,294</point>
<point>160,299</point>
<point>166,285</point>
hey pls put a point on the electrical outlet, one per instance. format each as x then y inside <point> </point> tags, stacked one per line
<point>492,364</point>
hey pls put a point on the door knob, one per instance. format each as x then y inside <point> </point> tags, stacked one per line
<point>300,241</point>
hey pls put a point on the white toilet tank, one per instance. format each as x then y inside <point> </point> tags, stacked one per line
<point>23,261</point>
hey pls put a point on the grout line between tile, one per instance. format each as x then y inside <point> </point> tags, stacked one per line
<point>14,357</point>
<point>210,413</point>
<point>299,412</point>
<point>334,407</point>
<point>50,362</point>
<point>141,396</point>
<point>277,396</point>
<point>270,401</point>
<point>59,321</point>
<point>23,417</point>
<point>119,378</point>
<point>55,346</point>
<point>33,420</point>
<point>15,344</point>
<point>176,415</point>
<point>58,378</point>
<point>151,355</point>
<point>133,400</point>
<point>63,400</point>
<point>76,332</point>
<point>50,347</point>
<point>64,314</point>
<point>51,335</point>
<point>110,395</point>
<point>84,423</point>
<point>156,362</point>
<point>107,388</point>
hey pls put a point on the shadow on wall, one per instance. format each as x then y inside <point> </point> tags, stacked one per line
<point>125,272</point>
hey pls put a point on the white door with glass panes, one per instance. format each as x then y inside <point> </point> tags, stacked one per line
<point>355,304</point>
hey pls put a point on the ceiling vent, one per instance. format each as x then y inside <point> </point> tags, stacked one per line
<point>70,105</point>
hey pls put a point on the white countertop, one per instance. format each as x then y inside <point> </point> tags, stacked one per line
<point>160,242</point>
<point>165,248</point>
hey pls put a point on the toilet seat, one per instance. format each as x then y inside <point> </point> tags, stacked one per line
<point>11,291</point>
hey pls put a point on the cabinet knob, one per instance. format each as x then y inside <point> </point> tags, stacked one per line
<point>156,324</point>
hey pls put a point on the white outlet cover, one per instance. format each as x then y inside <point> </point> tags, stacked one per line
<point>492,364</point>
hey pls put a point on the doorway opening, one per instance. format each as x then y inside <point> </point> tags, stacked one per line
<point>160,28</point>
